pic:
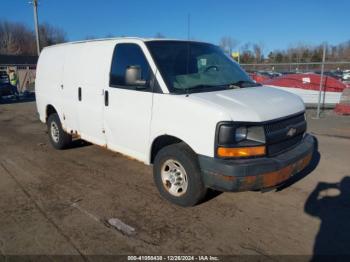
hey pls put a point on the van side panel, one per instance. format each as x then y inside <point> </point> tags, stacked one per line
<point>49,80</point>
<point>61,71</point>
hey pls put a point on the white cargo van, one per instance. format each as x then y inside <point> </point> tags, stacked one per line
<point>182,106</point>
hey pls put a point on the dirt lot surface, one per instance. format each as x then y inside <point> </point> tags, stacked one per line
<point>57,202</point>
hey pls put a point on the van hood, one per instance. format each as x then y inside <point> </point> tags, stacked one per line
<point>253,104</point>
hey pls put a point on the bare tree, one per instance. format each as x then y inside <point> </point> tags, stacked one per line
<point>15,39</point>
<point>228,44</point>
<point>296,53</point>
<point>18,39</point>
<point>50,35</point>
<point>258,52</point>
<point>247,55</point>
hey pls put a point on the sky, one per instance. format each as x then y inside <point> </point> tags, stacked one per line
<point>277,24</point>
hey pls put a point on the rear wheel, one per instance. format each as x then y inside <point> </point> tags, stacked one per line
<point>58,137</point>
<point>177,175</point>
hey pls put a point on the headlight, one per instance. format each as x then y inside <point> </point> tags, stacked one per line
<point>256,133</point>
<point>240,140</point>
<point>230,134</point>
<point>241,133</point>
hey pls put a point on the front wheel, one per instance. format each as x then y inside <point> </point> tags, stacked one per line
<point>58,137</point>
<point>177,175</point>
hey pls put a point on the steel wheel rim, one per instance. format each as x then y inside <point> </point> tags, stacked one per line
<point>174,178</point>
<point>55,133</point>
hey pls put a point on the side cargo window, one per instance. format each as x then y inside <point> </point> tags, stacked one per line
<point>130,69</point>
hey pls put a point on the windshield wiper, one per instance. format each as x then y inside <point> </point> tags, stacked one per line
<point>201,87</point>
<point>243,83</point>
<point>198,88</point>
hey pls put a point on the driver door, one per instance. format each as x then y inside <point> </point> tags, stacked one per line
<point>128,108</point>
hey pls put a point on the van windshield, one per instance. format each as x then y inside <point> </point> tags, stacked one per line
<point>189,67</point>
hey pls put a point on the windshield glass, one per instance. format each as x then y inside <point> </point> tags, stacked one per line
<point>196,67</point>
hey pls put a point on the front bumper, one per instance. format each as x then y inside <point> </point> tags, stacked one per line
<point>256,173</point>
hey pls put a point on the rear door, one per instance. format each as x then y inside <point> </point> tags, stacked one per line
<point>128,109</point>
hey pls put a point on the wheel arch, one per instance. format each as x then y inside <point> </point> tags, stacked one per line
<point>50,109</point>
<point>162,141</point>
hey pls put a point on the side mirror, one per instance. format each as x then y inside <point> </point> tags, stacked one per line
<point>133,76</point>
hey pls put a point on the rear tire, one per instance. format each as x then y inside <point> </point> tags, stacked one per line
<point>177,175</point>
<point>58,137</point>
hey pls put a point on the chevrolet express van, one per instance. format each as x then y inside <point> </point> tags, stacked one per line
<point>182,106</point>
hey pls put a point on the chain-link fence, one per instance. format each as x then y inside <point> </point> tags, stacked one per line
<point>297,67</point>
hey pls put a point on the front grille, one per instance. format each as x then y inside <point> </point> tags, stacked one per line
<point>279,147</point>
<point>275,126</point>
<point>277,137</point>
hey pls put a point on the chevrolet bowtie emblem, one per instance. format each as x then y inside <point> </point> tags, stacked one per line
<point>291,131</point>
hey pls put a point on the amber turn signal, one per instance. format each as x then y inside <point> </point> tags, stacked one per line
<point>241,151</point>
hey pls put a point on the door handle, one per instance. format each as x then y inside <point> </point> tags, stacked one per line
<point>106,98</point>
<point>79,93</point>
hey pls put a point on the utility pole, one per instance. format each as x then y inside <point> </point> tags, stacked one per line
<point>188,26</point>
<point>35,8</point>
<point>321,82</point>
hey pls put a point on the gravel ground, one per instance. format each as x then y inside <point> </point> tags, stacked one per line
<point>57,202</point>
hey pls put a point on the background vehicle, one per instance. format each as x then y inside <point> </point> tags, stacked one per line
<point>5,86</point>
<point>270,74</point>
<point>335,74</point>
<point>346,75</point>
<point>307,86</point>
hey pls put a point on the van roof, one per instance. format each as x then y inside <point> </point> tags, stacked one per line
<point>122,38</point>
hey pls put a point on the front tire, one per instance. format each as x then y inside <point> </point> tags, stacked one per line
<point>58,137</point>
<point>177,175</point>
